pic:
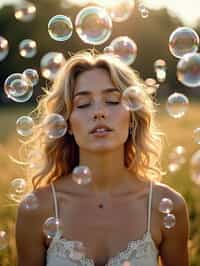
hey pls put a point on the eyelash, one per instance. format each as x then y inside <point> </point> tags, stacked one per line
<point>86,105</point>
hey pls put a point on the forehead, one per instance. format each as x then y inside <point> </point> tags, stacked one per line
<point>93,80</point>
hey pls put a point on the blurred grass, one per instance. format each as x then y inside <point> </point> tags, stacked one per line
<point>178,132</point>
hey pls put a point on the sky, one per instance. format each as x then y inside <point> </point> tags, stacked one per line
<point>188,10</point>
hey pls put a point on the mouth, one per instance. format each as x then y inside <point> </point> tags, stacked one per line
<point>100,130</point>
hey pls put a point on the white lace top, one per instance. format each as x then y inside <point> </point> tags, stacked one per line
<point>142,252</point>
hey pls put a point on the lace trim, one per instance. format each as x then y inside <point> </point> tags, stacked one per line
<point>136,248</point>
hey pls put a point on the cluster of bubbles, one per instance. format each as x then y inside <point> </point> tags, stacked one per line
<point>177,158</point>
<point>165,207</point>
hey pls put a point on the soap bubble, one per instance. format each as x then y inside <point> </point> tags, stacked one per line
<point>60,28</point>
<point>182,41</point>
<point>145,13</point>
<point>17,88</point>
<point>25,11</point>
<point>3,240</point>
<point>78,250</point>
<point>24,125</point>
<point>188,70</point>
<point>54,126</point>
<point>151,86</point>
<point>51,226</point>
<point>160,69</point>
<point>27,48</point>
<point>177,105</point>
<point>50,64</point>
<point>125,49</point>
<point>169,221</point>
<point>195,167</point>
<point>31,75</point>
<point>81,175</point>
<point>166,205</point>
<point>132,98</point>
<point>35,159</point>
<point>93,25</point>
<point>30,202</point>
<point>177,157</point>
<point>3,48</point>
<point>18,189</point>
<point>196,135</point>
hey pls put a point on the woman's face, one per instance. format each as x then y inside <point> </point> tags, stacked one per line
<point>99,121</point>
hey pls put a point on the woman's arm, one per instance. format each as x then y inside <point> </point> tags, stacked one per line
<point>174,247</point>
<point>29,237</point>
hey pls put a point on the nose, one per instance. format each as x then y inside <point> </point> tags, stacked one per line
<point>99,113</point>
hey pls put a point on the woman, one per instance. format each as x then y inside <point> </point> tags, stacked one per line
<point>116,216</point>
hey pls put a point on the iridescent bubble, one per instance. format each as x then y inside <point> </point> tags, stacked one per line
<point>78,250</point>
<point>145,13</point>
<point>3,48</point>
<point>151,86</point>
<point>81,175</point>
<point>188,70</point>
<point>160,70</point>
<point>27,48</point>
<point>182,41</point>
<point>17,88</point>
<point>55,126</point>
<point>196,135</point>
<point>60,28</point>
<point>24,125</point>
<point>3,240</point>
<point>195,167</point>
<point>125,49</point>
<point>169,221</point>
<point>18,189</point>
<point>51,226</point>
<point>119,10</point>
<point>25,11</point>
<point>93,25</point>
<point>30,202</point>
<point>31,75</point>
<point>177,157</point>
<point>50,64</point>
<point>177,105</point>
<point>132,98</point>
<point>166,205</point>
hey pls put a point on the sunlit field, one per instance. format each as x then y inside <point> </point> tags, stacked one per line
<point>178,132</point>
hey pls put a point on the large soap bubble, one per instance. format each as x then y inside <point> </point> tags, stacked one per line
<point>188,70</point>
<point>182,41</point>
<point>60,28</point>
<point>93,25</point>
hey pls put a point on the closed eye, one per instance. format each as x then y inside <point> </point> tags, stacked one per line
<point>83,105</point>
<point>110,102</point>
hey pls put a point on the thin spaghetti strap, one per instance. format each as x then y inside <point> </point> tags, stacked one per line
<point>149,207</point>
<point>55,200</point>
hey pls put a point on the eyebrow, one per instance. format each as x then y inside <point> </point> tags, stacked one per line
<point>107,90</point>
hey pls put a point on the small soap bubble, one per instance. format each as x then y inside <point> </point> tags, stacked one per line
<point>18,189</point>
<point>182,41</point>
<point>144,13</point>
<point>195,167</point>
<point>31,75</point>
<point>166,205</point>
<point>141,6</point>
<point>3,240</point>
<point>24,125</point>
<point>177,105</point>
<point>25,11</point>
<point>55,126</point>
<point>125,48</point>
<point>30,202</point>
<point>188,69</point>
<point>177,157</point>
<point>169,221</point>
<point>17,88</point>
<point>196,135</point>
<point>3,48</point>
<point>51,226</point>
<point>60,28</point>
<point>93,25</point>
<point>132,98</point>
<point>81,175</point>
<point>50,64</point>
<point>78,251</point>
<point>27,48</point>
<point>151,86</point>
<point>160,70</point>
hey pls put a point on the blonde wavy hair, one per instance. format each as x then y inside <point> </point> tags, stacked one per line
<point>48,160</point>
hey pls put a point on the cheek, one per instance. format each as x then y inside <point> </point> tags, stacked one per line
<point>76,121</point>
